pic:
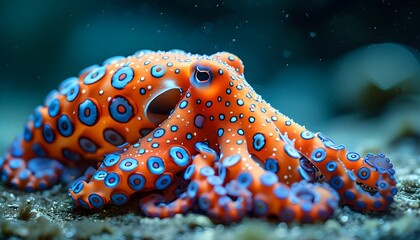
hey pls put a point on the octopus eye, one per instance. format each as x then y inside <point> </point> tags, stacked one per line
<point>201,77</point>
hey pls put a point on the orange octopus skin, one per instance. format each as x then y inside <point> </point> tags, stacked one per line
<point>167,119</point>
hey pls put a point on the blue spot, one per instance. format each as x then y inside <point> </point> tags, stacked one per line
<point>179,155</point>
<point>64,125</point>
<point>121,110</point>
<point>281,192</point>
<point>215,181</point>
<point>363,173</point>
<point>99,175</point>
<point>24,174</point>
<point>192,189</point>
<point>122,77</point>
<point>87,145</point>
<point>155,165</point>
<point>113,137</point>
<point>64,84</point>
<point>233,119</point>
<point>220,132</point>
<point>291,151</point>
<point>331,166</point>
<point>119,198</point>
<point>189,136</point>
<point>189,172</point>
<point>258,141</point>
<point>77,187</point>
<point>207,171</point>
<point>199,121</point>
<point>260,207</point>
<point>307,135</point>
<point>38,117</point>
<point>142,91</point>
<point>245,179</point>
<point>27,133</point>
<point>268,178</point>
<point>251,119</point>
<point>112,180</point>
<point>240,102</point>
<point>95,75</point>
<point>15,163</point>
<point>183,104</point>
<point>318,155</point>
<point>360,205</point>
<point>349,195</point>
<point>38,150</point>
<point>209,103</point>
<point>83,203</point>
<point>88,112</point>
<point>155,145</point>
<point>231,160</point>
<point>128,164</point>
<point>158,71</point>
<point>163,181</point>
<point>159,132</point>
<point>54,107</point>
<point>241,132</point>
<point>136,181</point>
<point>48,133</point>
<point>377,204</point>
<point>336,182</point>
<point>272,165</point>
<point>71,91</point>
<point>88,69</point>
<point>204,203</point>
<point>111,159</point>
<point>174,128</point>
<point>353,156</point>
<point>95,200</point>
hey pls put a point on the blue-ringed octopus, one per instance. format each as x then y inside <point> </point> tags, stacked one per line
<point>188,132</point>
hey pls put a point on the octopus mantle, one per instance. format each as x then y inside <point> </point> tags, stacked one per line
<point>189,132</point>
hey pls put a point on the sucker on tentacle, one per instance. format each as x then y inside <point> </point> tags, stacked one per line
<point>154,117</point>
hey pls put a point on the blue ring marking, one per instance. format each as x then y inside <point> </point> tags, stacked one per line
<point>336,182</point>
<point>38,150</point>
<point>189,172</point>
<point>215,181</point>
<point>271,165</point>
<point>114,107</point>
<point>88,69</point>
<point>83,203</point>
<point>119,198</point>
<point>112,60</point>
<point>307,135</point>
<point>233,119</point>
<point>287,215</point>
<point>198,71</point>
<point>136,181</point>
<point>112,180</point>
<point>113,137</point>
<point>95,200</point>
<point>394,190</point>
<point>16,149</point>
<point>24,174</point>
<point>54,107</point>
<point>128,164</point>
<point>183,104</point>
<point>38,117</point>
<point>142,91</point>
<point>111,159</point>
<point>219,190</point>
<point>331,166</point>
<point>220,132</point>
<point>122,77</point>
<point>155,165</point>
<point>268,179</point>
<point>360,204</point>
<point>27,133</point>
<point>199,121</point>
<point>48,133</point>
<point>87,145</point>
<point>231,160</point>
<point>349,195</point>
<point>163,181</point>
<point>136,145</point>
<point>258,141</point>
<point>158,71</point>
<point>281,192</point>
<point>207,171</point>
<point>260,207</point>
<point>291,151</point>
<point>353,156</point>
<point>99,175</point>
<point>192,189</point>
<point>377,204</point>
<point>222,172</point>
<point>209,103</point>
<point>363,173</point>
<point>15,163</point>
<point>174,128</point>
<point>155,145</point>
<point>71,92</point>
<point>241,132</point>
<point>95,75</point>
<point>382,185</point>
<point>245,179</point>
<point>64,126</point>
<point>77,187</point>
<point>179,155</point>
<point>64,84</point>
<point>159,132</point>
<point>204,203</point>
<point>88,112</point>
<point>188,136</point>
<point>318,155</point>
<point>221,116</point>
<point>240,102</point>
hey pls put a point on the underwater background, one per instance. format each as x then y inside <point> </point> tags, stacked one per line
<point>349,69</point>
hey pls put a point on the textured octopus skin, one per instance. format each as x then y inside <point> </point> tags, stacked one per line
<point>222,150</point>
